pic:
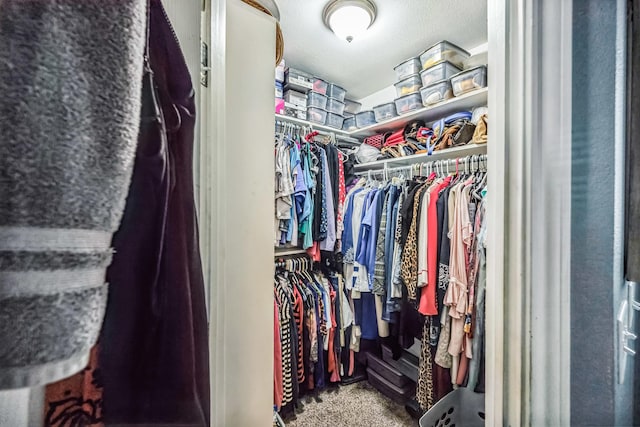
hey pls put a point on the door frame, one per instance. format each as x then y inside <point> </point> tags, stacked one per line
<point>524,90</point>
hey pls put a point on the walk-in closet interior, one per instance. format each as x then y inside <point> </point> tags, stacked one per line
<point>380,219</point>
<point>318,213</point>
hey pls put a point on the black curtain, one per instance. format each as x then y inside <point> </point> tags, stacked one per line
<point>154,343</point>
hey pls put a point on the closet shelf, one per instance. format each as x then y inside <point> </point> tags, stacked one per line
<point>470,100</point>
<point>288,251</point>
<point>451,153</point>
<point>313,126</point>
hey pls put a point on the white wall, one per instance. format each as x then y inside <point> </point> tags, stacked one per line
<point>237,167</point>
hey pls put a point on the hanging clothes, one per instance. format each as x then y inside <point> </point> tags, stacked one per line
<point>314,317</point>
<point>423,236</point>
<point>154,342</point>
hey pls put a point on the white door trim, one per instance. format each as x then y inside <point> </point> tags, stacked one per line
<point>528,268</point>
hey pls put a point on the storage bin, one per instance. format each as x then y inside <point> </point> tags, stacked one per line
<point>352,107</point>
<point>280,72</point>
<point>335,91</point>
<point>296,98</point>
<point>295,111</point>
<point>316,115</point>
<point>385,111</point>
<point>409,85</point>
<point>407,68</point>
<point>441,71</point>
<point>349,124</point>
<point>279,90</point>
<point>436,92</point>
<point>467,80</point>
<point>387,371</point>
<point>408,103</point>
<point>334,120</point>
<point>335,106</point>
<point>298,80</point>
<point>443,51</point>
<point>318,100</point>
<point>365,118</point>
<point>399,394</point>
<point>320,86</point>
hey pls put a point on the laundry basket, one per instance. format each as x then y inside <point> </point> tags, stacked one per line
<point>460,408</point>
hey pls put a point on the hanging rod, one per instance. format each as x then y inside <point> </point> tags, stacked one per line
<point>469,163</point>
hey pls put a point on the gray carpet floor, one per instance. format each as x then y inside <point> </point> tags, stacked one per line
<point>355,405</point>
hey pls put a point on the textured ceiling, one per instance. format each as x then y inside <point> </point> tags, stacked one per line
<point>403,28</point>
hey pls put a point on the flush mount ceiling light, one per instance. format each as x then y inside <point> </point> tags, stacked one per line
<point>349,19</point>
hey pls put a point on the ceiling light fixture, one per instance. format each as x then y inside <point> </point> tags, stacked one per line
<point>349,19</point>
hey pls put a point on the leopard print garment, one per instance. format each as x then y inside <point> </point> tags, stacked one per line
<point>409,269</point>
<point>425,392</point>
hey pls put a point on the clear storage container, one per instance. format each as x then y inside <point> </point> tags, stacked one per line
<point>335,106</point>
<point>349,124</point>
<point>320,86</point>
<point>335,91</point>
<point>296,98</point>
<point>436,92</point>
<point>365,118</point>
<point>298,80</point>
<point>443,51</point>
<point>408,103</point>
<point>409,85</point>
<point>279,90</point>
<point>295,111</point>
<point>407,68</point>
<point>468,80</point>
<point>334,120</point>
<point>317,115</point>
<point>385,111</point>
<point>441,71</point>
<point>352,107</point>
<point>318,100</point>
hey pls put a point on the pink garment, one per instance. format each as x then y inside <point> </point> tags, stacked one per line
<point>456,295</point>
<point>428,301</point>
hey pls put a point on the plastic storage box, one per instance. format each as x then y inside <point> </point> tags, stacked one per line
<point>335,91</point>
<point>467,80</point>
<point>320,86</point>
<point>334,120</point>
<point>279,90</point>
<point>295,111</point>
<point>335,106</point>
<point>318,100</point>
<point>436,92</point>
<point>442,70</point>
<point>398,394</point>
<point>409,85</point>
<point>443,51</point>
<point>387,371</point>
<point>296,98</point>
<point>365,118</point>
<point>352,107</point>
<point>316,115</point>
<point>280,72</point>
<point>407,68</point>
<point>385,111</point>
<point>297,80</point>
<point>408,103</point>
<point>349,124</point>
